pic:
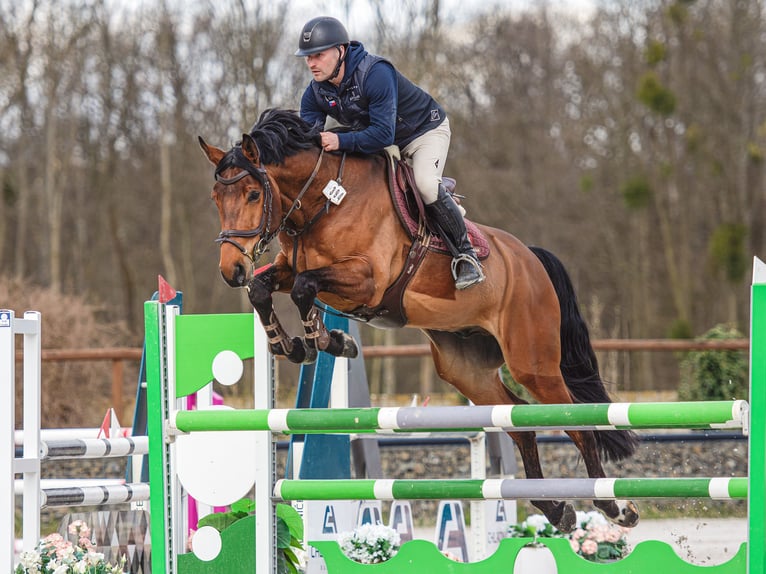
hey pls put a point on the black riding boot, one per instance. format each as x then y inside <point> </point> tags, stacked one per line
<point>444,212</point>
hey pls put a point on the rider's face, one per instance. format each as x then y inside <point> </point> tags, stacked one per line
<point>322,64</point>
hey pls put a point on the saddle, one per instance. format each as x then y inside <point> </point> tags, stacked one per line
<point>411,211</point>
<point>409,207</point>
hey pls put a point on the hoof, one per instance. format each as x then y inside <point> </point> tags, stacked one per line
<point>311,353</point>
<point>568,520</point>
<point>628,516</point>
<point>297,353</point>
<point>350,348</point>
<point>342,345</point>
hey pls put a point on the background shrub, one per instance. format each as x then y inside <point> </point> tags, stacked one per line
<point>715,375</point>
<point>74,394</point>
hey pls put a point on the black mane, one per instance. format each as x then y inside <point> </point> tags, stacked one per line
<point>282,133</point>
<point>278,134</point>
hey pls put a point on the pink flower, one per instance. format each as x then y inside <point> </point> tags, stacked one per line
<point>599,533</point>
<point>575,545</point>
<point>85,543</point>
<point>589,547</point>
<point>613,535</point>
<point>80,528</point>
<point>579,534</point>
<point>452,556</point>
<point>53,539</point>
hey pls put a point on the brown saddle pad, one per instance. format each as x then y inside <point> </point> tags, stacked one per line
<point>407,209</point>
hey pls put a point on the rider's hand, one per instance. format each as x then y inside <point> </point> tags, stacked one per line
<point>330,141</point>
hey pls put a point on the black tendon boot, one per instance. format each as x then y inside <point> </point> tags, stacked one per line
<point>444,212</point>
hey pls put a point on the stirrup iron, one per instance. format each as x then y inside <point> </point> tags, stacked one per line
<point>474,263</point>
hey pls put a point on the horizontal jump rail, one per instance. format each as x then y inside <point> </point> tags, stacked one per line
<point>94,447</point>
<point>688,415</point>
<point>94,495</point>
<point>512,489</point>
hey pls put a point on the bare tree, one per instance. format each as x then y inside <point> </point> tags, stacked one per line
<point>18,21</point>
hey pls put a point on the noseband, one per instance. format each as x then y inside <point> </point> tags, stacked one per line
<point>238,159</point>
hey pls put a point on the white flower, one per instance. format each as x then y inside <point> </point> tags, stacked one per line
<point>593,517</point>
<point>29,560</point>
<point>370,543</point>
<point>94,558</point>
<point>538,521</point>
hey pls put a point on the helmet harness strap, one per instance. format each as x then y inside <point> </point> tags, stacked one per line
<point>341,58</point>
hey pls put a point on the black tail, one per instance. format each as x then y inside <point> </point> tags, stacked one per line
<point>579,365</point>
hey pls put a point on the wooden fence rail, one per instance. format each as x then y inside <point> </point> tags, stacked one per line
<point>119,355</point>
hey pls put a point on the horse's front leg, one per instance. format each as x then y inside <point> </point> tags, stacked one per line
<point>259,291</point>
<point>317,338</point>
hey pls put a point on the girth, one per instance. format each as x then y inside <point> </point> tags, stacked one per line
<point>389,313</point>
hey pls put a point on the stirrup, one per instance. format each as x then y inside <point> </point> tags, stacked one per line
<point>464,257</point>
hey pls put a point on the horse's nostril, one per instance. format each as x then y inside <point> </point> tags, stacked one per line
<point>240,275</point>
<point>237,277</point>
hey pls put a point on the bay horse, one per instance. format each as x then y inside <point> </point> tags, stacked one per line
<point>525,314</point>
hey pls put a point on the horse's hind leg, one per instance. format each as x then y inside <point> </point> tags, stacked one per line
<point>573,377</point>
<point>622,512</point>
<point>471,365</point>
<point>559,513</point>
<point>552,390</point>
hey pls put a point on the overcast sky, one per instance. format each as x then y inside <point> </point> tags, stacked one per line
<point>358,18</point>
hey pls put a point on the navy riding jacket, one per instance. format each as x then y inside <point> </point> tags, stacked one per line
<point>378,104</point>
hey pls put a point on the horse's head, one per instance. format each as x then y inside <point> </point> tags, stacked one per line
<point>243,194</point>
<point>248,199</point>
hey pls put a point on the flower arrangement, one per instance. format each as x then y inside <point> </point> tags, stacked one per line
<point>370,543</point>
<point>595,539</point>
<point>56,555</point>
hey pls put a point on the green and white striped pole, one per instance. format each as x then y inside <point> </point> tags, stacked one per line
<point>513,489</point>
<point>687,415</point>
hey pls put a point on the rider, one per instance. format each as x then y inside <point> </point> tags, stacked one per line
<point>381,107</point>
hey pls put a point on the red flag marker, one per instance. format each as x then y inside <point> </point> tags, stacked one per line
<point>166,291</point>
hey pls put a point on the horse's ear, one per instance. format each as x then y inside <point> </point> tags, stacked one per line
<point>213,153</point>
<point>250,149</point>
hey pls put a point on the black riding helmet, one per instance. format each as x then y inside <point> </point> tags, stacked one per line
<point>319,34</point>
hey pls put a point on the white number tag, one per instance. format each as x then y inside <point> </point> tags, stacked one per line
<point>334,192</point>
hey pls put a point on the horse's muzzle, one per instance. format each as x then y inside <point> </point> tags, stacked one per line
<point>237,277</point>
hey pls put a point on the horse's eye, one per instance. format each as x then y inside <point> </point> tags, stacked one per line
<point>253,195</point>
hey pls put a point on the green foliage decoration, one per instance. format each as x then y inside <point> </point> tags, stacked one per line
<point>289,530</point>
<point>654,95</point>
<point>726,250</point>
<point>715,375</point>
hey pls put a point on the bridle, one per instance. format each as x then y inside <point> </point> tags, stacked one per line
<point>264,226</point>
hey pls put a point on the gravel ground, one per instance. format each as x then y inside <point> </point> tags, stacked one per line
<point>699,541</point>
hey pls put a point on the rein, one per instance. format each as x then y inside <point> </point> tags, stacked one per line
<point>264,226</point>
